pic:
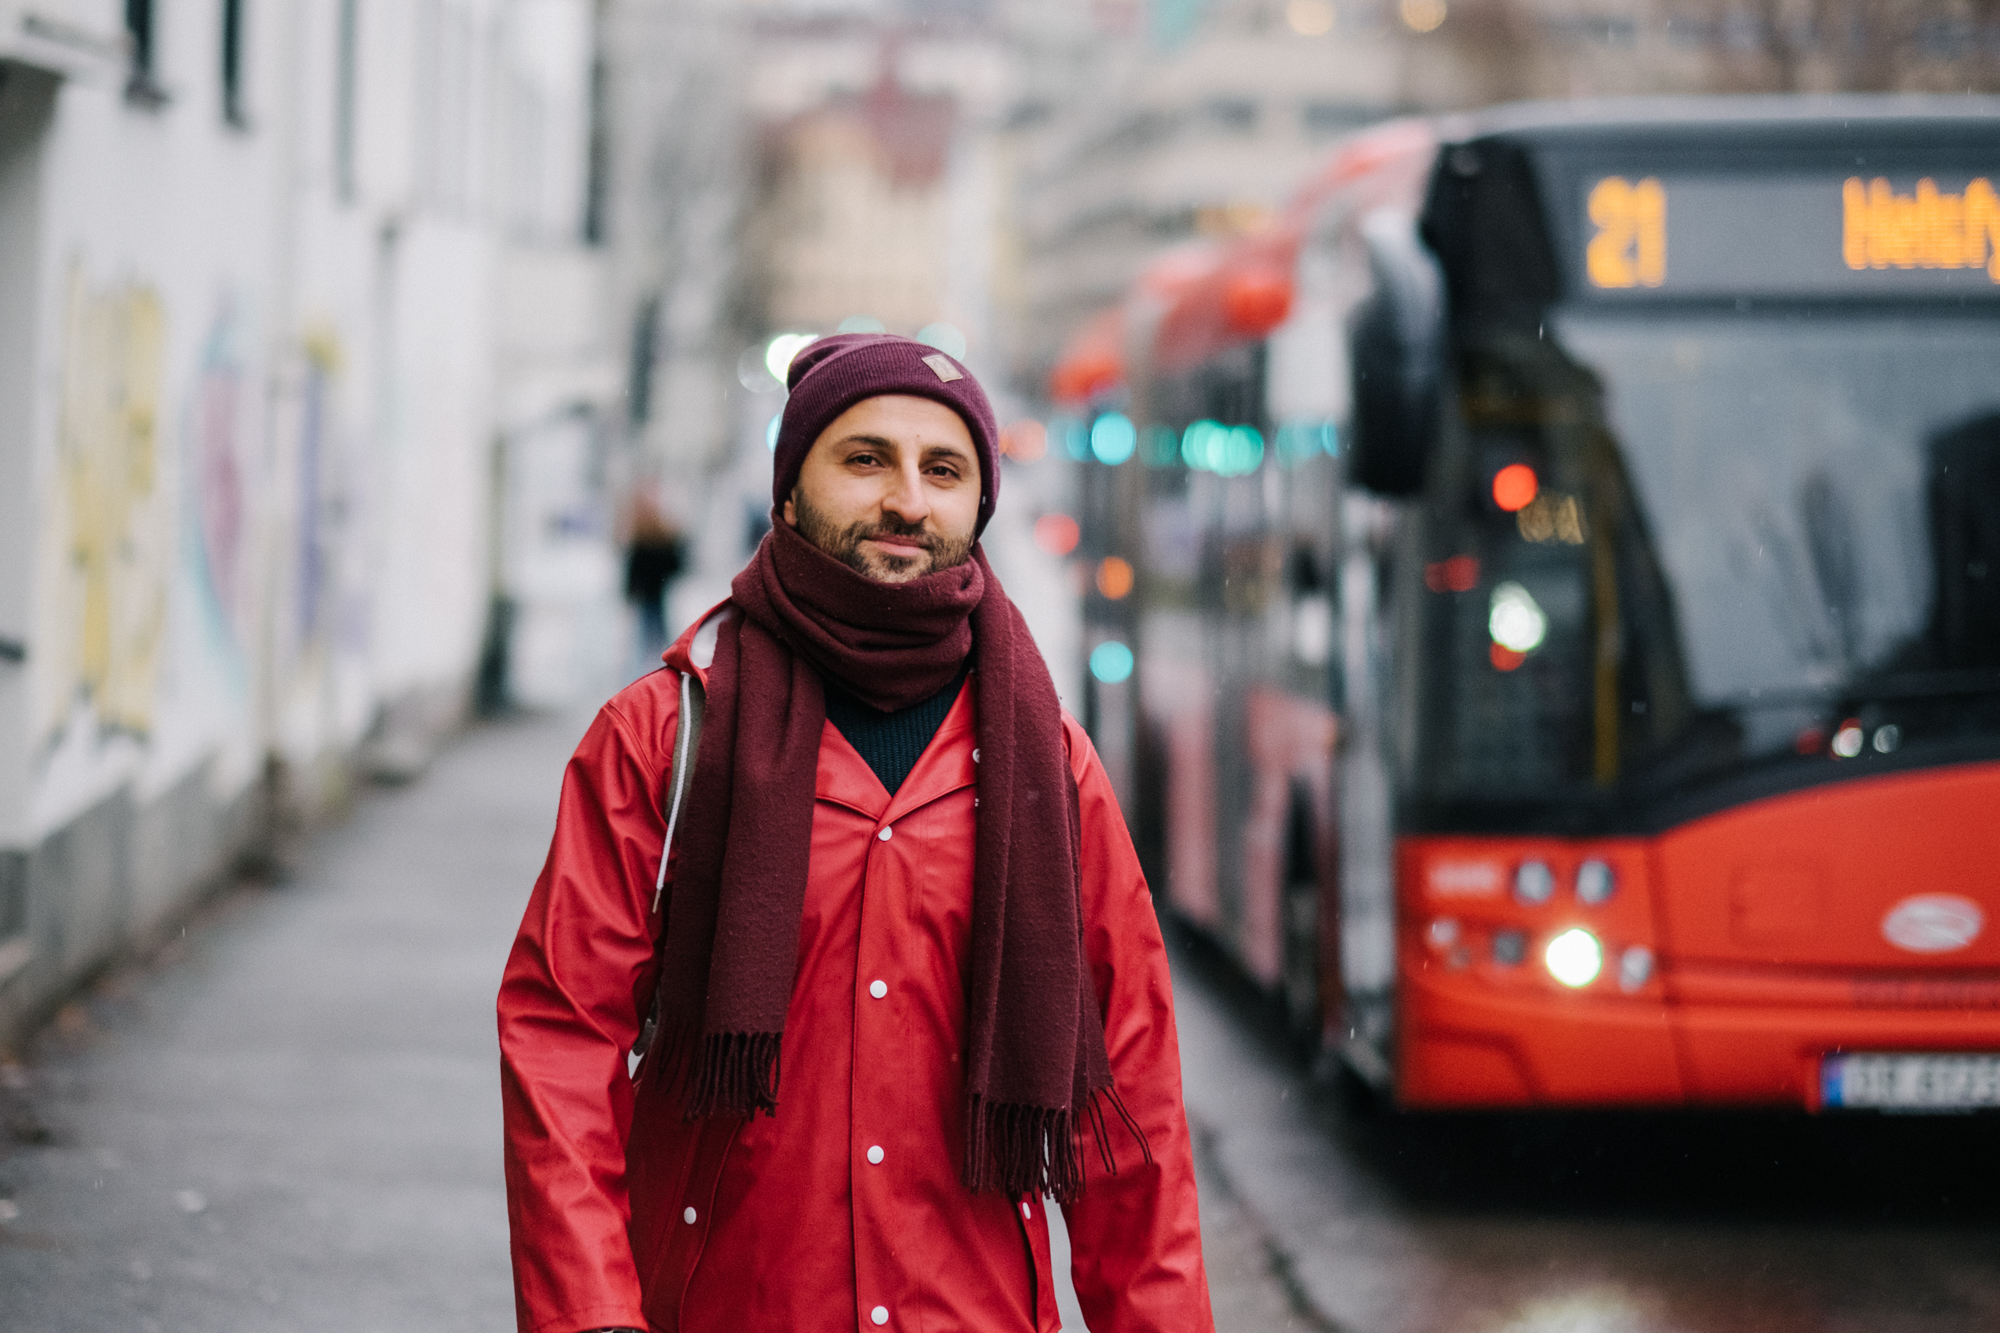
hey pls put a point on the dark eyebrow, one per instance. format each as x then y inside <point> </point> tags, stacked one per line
<point>877,441</point>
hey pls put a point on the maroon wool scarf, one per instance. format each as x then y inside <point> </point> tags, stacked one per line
<point>1036,1065</point>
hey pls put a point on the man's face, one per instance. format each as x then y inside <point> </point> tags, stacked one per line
<point>891,488</point>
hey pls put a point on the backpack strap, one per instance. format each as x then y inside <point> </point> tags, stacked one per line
<point>687,737</point>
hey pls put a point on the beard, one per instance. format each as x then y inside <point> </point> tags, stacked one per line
<point>845,545</point>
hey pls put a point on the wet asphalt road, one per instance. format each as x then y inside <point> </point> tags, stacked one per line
<point>288,1120</point>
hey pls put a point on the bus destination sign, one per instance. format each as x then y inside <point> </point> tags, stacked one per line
<point>1730,236</point>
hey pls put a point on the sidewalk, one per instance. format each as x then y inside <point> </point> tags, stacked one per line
<point>295,1125</point>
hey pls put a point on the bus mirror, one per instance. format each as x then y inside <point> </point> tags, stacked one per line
<point>1396,351</point>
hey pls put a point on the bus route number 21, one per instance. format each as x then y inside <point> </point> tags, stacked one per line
<point>1630,247</point>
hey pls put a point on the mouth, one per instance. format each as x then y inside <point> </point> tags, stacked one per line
<point>899,548</point>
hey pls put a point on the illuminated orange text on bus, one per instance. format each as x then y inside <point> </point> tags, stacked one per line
<point>1927,229</point>
<point>1630,247</point>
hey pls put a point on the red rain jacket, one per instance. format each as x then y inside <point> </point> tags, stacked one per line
<point>844,1210</point>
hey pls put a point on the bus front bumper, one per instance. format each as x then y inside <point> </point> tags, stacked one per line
<point>1463,1044</point>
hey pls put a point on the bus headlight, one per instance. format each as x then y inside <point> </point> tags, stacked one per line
<point>1574,957</point>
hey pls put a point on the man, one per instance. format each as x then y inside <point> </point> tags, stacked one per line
<point>905,971</point>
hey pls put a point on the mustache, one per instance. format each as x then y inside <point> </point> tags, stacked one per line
<point>918,533</point>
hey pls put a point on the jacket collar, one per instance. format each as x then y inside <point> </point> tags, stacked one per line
<point>945,766</point>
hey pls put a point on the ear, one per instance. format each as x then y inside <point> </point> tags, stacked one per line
<point>789,514</point>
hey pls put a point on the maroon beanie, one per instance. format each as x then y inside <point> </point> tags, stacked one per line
<point>830,375</point>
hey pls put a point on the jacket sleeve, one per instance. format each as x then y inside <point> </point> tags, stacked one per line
<point>575,990</point>
<point>1135,1236</point>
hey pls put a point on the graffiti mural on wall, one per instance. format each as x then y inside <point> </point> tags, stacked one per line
<point>217,493</point>
<point>106,522</point>
<point>324,503</point>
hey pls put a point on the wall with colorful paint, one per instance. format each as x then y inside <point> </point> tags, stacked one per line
<point>249,406</point>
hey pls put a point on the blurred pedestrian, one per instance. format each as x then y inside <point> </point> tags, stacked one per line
<point>653,559</point>
<point>927,915</point>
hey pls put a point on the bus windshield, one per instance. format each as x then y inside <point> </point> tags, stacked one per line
<point>1696,547</point>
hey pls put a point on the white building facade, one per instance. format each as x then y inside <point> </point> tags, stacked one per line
<point>283,285</point>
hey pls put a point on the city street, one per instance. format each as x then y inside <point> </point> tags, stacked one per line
<point>288,1120</point>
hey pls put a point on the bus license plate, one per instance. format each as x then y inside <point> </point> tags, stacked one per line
<point>1910,1082</point>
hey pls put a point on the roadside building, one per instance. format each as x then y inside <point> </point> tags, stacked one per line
<point>275,280</point>
<point>855,220</point>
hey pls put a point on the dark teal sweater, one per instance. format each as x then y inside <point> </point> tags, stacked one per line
<point>890,742</point>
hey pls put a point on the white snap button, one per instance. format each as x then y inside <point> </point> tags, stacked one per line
<point>1026,1211</point>
<point>687,1216</point>
<point>880,1314</point>
<point>886,834</point>
<point>975,756</point>
<point>875,1155</point>
<point>878,988</point>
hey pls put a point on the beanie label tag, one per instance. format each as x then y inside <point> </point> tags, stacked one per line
<point>942,366</point>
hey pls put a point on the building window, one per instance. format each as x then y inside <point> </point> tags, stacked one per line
<point>347,56</point>
<point>143,84</point>
<point>597,183</point>
<point>232,64</point>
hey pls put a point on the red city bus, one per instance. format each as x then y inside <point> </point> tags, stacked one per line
<point>1565,597</point>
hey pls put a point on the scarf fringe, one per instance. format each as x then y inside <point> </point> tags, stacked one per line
<point>1026,1151</point>
<point>718,1073</point>
<point>735,1073</point>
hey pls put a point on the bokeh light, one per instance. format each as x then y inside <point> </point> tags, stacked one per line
<point>778,353</point>
<point>1161,447</point>
<point>1229,451</point>
<point>1515,487</point>
<point>1310,18</point>
<point>1057,534</point>
<point>1574,957</point>
<point>1516,621</point>
<point>1460,573</point>
<point>1111,662</point>
<point>861,324</point>
<point>1422,15</point>
<point>1025,441</point>
<point>1073,435</point>
<point>1298,441</point>
<point>945,337</point>
<point>753,373</point>
<point>1115,577</point>
<point>1112,438</point>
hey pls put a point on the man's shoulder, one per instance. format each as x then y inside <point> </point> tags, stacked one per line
<point>645,712</point>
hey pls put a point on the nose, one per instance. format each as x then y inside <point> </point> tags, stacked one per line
<point>906,498</point>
